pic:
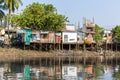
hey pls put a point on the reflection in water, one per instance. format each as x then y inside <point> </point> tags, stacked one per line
<point>14,71</point>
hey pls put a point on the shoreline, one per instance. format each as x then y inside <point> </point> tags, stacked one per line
<point>12,54</point>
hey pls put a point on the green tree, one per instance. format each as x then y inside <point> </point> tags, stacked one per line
<point>40,17</point>
<point>116,32</point>
<point>98,68</point>
<point>2,14</point>
<point>11,5</point>
<point>116,75</point>
<point>98,35</point>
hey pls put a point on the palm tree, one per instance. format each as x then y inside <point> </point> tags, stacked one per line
<point>2,14</point>
<point>11,5</point>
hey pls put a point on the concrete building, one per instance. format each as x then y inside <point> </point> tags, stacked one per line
<point>69,27</point>
<point>89,30</point>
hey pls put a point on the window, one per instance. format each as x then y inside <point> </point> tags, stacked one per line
<point>65,38</point>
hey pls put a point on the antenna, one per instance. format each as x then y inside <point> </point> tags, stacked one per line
<point>84,20</point>
<point>78,25</point>
<point>93,19</point>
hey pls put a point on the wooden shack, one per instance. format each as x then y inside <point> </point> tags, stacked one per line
<point>51,37</point>
<point>58,37</point>
<point>47,37</point>
<point>35,37</point>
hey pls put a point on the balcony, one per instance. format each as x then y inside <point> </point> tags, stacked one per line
<point>91,32</point>
<point>90,25</point>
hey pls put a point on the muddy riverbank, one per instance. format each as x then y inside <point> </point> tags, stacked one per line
<point>12,54</point>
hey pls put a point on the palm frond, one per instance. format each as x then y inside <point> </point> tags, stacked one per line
<point>1,14</point>
<point>1,1</point>
<point>20,1</point>
<point>12,4</point>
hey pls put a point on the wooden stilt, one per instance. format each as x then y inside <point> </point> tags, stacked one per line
<point>62,46</point>
<point>46,61</point>
<point>69,47</point>
<point>69,60</point>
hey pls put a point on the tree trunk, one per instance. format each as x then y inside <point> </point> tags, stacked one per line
<point>84,46</point>
<point>97,46</point>
<point>1,22</point>
<point>116,47</point>
<point>9,24</point>
<point>105,46</point>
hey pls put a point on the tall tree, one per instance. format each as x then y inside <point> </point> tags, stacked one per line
<point>12,5</point>
<point>116,32</point>
<point>2,14</point>
<point>41,17</point>
<point>98,35</point>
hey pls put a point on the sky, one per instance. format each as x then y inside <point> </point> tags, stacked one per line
<point>106,13</point>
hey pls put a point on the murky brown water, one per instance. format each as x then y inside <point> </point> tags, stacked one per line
<point>17,71</point>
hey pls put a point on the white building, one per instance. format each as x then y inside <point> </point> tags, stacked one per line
<point>107,36</point>
<point>70,27</point>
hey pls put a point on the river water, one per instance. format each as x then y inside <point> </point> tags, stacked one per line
<point>99,71</point>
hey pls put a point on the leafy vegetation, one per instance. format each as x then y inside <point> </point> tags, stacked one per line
<point>2,14</point>
<point>116,32</point>
<point>98,33</point>
<point>98,70</point>
<point>40,17</point>
<point>11,5</point>
<point>116,75</point>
